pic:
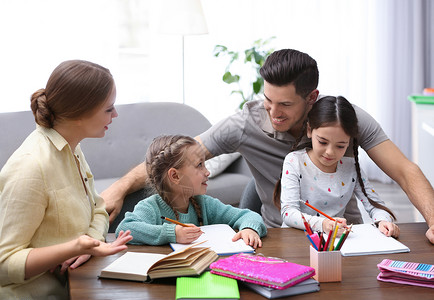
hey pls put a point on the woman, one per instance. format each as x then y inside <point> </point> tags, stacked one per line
<point>51,217</point>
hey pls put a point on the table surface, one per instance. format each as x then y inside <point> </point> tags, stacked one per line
<point>359,273</point>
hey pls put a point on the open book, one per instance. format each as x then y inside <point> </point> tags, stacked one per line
<point>219,238</point>
<point>366,239</point>
<point>139,266</point>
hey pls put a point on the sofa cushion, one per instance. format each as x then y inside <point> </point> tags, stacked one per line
<point>218,164</point>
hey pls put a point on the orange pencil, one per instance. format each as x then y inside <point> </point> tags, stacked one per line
<point>176,222</point>
<point>323,213</point>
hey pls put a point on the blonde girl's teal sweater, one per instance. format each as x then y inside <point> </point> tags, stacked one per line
<point>147,227</point>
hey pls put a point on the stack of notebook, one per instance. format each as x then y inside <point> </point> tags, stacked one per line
<point>267,276</point>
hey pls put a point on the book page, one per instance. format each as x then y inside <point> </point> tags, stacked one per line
<point>219,238</point>
<point>366,239</point>
<point>133,263</point>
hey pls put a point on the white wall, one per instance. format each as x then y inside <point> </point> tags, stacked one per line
<point>357,45</point>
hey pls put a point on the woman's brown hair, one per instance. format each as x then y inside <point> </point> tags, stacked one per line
<point>75,89</point>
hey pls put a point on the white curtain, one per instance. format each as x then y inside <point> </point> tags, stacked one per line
<point>402,65</point>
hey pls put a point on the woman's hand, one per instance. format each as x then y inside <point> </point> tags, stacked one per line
<point>89,246</point>
<point>186,235</point>
<point>389,228</point>
<point>249,236</point>
<point>327,225</point>
<point>74,262</point>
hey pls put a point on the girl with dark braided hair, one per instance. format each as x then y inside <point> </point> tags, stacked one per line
<point>175,165</point>
<point>323,177</point>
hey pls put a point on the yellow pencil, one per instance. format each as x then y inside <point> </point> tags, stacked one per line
<point>332,242</point>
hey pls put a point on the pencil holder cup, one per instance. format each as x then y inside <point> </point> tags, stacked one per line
<point>327,265</point>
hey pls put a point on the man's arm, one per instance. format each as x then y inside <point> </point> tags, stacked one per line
<point>208,154</point>
<point>409,176</point>
<point>115,194</point>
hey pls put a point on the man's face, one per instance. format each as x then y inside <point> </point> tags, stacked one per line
<point>286,109</point>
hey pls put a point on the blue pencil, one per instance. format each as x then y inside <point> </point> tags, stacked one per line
<point>311,241</point>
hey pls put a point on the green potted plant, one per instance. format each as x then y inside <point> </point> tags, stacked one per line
<point>254,57</point>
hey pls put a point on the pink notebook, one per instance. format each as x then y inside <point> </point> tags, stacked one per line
<point>406,273</point>
<point>267,271</point>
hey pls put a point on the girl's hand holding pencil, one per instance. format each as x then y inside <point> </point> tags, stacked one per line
<point>185,233</point>
<point>328,225</point>
<point>339,220</point>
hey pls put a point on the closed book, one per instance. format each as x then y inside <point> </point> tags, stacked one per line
<point>262,270</point>
<point>144,267</point>
<point>206,286</point>
<point>309,285</point>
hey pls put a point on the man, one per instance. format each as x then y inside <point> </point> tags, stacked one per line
<point>264,132</point>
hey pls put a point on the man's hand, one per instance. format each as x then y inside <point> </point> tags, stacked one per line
<point>430,234</point>
<point>114,199</point>
<point>114,196</point>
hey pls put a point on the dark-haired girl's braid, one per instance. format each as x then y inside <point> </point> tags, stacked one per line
<point>197,209</point>
<point>278,185</point>
<point>362,185</point>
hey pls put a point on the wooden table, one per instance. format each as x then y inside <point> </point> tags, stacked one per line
<point>359,273</point>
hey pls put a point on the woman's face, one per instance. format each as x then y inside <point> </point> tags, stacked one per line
<point>95,126</point>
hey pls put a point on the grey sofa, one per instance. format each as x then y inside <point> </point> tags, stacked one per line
<point>125,144</point>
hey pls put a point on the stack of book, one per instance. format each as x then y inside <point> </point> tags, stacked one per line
<point>270,277</point>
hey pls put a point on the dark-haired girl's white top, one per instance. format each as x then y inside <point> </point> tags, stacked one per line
<point>329,192</point>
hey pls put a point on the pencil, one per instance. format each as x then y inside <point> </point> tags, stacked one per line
<point>338,247</point>
<point>328,240</point>
<point>323,213</point>
<point>306,225</point>
<point>311,241</point>
<point>341,240</point>
<point>176,222</point>
<point>335,232</point>
<point>322,241</point>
